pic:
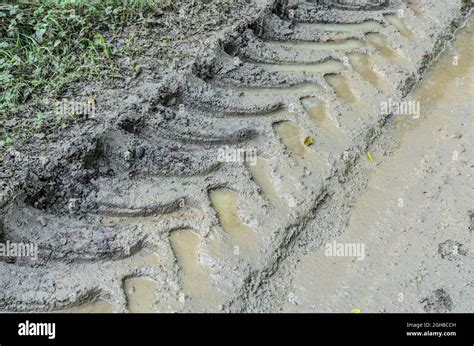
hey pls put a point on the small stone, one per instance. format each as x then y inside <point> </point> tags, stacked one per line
<point>72,205</point>
<point>140,152</point>
<point>127,155</point>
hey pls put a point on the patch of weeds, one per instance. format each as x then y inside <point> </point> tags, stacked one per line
<point>45,45</point>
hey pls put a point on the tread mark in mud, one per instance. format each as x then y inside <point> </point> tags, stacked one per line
<point>400,25</point>
<point>302,70</point>
<point>226,203</point>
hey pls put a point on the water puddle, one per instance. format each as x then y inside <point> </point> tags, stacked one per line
<point>300,90</point>
<point>322,46</point>
<point>379,41</point>
<point>98,307</point>
<point>342,88</point>
<point>369,25</point>
<point>316,109</point>
<point>141,294</point>
<point>225,202</point>
<point>364,66</point>
<point>400,25</point>
<point>261,174</point>
<point>330,129</point>
<point>152,260</point>
<point>330,66</point>
<point>195,275</point>
<point>295,140</point>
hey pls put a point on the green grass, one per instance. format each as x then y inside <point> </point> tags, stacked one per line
<point>45,45</point>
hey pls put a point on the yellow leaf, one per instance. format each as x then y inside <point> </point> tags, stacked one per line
<point>356,311</point>
<point>308,141</point>
<point>369,156</point>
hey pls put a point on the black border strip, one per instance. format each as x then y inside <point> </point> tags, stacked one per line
<point>291,329</point>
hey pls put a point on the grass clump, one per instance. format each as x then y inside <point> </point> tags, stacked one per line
<point>45,45</point>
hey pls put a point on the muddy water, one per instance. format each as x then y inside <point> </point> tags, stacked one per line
<point>194,273</point>
<point>297,142</point>
<point>261,174</point>
<point>418,200</point>
<point>244,237</point>
<point>400,25</point>
<point>334,45</point>
<point>342,88</point>
<point>364,66</point>
<point>141,294</point>
<point>330,66</point>
<point>364,26</point>
<point>379,41</point>
<point>316,109</point>
<point>327,124</point>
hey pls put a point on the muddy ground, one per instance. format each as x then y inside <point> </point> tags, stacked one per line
<point>411,209</point>
<point>147,205</point>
